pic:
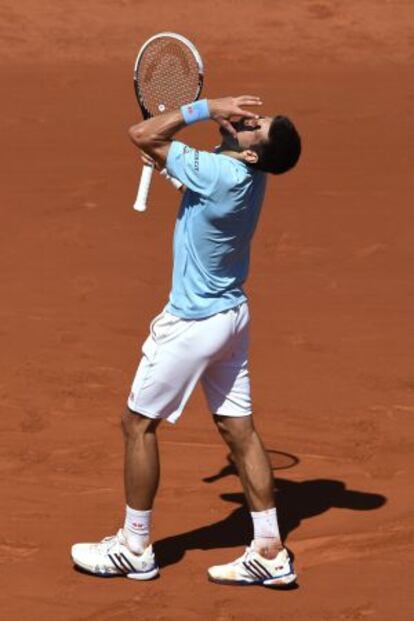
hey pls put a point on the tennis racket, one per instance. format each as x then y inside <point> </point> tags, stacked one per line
<point>168,74</point>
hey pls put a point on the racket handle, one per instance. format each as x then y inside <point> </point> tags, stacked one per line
<point>174,182</point>
<point>144,186</point>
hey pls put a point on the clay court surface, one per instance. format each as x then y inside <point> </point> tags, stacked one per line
<point>332,303</point>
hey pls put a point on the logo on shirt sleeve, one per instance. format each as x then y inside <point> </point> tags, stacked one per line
<point>196,161</point>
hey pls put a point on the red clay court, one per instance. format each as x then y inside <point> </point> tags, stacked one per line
<point>331,298</point>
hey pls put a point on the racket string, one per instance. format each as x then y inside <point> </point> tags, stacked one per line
<point>167,76</point>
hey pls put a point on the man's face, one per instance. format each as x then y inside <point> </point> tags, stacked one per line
<point>250,133</point>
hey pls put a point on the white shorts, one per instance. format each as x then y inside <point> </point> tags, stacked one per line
<point>178,352</point>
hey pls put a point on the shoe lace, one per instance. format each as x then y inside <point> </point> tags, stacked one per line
<point>244,556</point>
<point>111,541</point>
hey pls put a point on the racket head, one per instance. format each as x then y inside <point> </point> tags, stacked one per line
<point>168,73</point>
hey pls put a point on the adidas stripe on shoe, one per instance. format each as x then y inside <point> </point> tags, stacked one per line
<point>112,557</point>
<point>251,568</point>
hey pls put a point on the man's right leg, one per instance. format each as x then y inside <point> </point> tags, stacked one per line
<point>266,561</point>
<point>256,477</point>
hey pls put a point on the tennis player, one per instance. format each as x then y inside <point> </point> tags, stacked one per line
<point>202,334</point>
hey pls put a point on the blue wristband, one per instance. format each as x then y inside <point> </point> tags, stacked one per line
<point>196,111</point>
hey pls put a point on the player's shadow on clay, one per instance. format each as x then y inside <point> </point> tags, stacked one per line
<point>296,501</point>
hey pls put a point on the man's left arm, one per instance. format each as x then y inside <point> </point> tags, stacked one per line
<point>154,135</point>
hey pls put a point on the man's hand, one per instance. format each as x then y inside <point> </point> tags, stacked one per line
<point>148,161</point>
<point>154,135</point>
<point>222,110</point>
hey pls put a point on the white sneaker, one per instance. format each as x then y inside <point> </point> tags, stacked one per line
<point>112,557</point>
<point>252,568</point>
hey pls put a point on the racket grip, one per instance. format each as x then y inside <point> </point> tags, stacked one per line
<point>144,186</point>
<point>174,182</point>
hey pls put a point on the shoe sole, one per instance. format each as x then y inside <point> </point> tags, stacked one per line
<point>275,583</point>
<point>148,575</point>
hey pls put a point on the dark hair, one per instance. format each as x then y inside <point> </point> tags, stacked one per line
<point>282,149</point>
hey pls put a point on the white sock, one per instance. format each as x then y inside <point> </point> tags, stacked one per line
<point>137,529</point>
<point>266,528</point>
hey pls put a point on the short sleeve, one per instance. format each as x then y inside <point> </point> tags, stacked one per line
<point>197,170</point>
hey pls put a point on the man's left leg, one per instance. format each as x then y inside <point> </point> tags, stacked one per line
<point>129,553</point>
<point>175,355</point>
<point>141,477</point>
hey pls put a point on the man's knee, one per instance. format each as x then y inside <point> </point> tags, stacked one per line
<point>236,431</point>
<point>135,424</point>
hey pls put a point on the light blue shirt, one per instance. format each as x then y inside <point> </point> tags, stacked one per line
<point>215,224</point>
